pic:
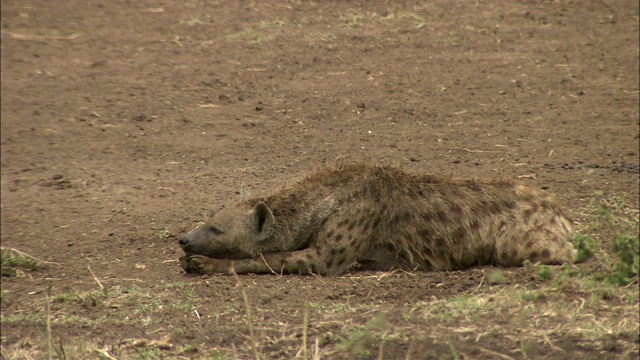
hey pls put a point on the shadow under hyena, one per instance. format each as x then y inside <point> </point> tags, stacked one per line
<point>381,218</point>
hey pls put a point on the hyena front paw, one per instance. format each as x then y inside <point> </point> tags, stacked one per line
<point>184,263</point>
<point>198,264</point>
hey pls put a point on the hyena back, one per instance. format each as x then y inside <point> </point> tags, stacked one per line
<point>381,218</point>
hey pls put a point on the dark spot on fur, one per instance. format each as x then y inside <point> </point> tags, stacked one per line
<point>460,233</point>
<point>313,268</point>
<point>527,213</point>
<point>376,222</point>
<point>352,225</point>
<point>475,224</point>
<point>528,244</point>
<point>338,237</point>
<point>330,263</point>
<point>318,250</point>
<point>395,218</point>
<point>341,251</point>
<point>508,255</point>
<point>341,261</point>
<point>491,207</point>
<point>457,209</point>
<point>545,255</point>
<point>401,217</point>
<point>361,221</point>
<point>427,264</point>
<point>453,262</point>
<point>333,252</point>
<point>301,263</point>
<point>329,233</point>
<point>424,235</point>
<point>367,226</point>
<point>473,185</point>
<point>546,204</point>
<point>442,216</point>
<point>439,242</point>
<point>343,222</point>
<point>283,261</point>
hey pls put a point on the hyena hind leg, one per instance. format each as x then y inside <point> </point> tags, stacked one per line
<point>548,244</point>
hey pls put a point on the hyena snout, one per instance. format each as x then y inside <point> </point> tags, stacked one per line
<point>184,241</point>
<point>202,242</point>
<point>191,244</point>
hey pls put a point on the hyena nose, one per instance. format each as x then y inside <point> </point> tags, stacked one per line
<point>183,240</point>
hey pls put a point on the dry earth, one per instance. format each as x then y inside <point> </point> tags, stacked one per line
<point>125,123</point>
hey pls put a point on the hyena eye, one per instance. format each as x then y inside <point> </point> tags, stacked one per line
<point>214,230</point>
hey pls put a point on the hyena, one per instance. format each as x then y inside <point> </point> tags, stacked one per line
<point>373,217</point>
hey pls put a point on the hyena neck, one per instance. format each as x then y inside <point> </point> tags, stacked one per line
<point>297,220</point>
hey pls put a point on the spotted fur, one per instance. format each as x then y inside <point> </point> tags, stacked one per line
<point>381,218</point>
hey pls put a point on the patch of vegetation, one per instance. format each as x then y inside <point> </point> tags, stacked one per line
<point>260,33</point>
<point>351,20</point>
<point>14,262</point>
<point>163,234</point>
<point>619,265</point>
<point>360,341</point>
<point>496,277</point>
<point>544,272</point>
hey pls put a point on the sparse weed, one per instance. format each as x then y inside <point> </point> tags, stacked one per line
<point>260,33</point>
<point>621,264</point>
<point>191,22</point>
<point>585,246</point>
<point>14,262</point>
<point>531,295</point>
<point>351,20</point>
<point>420,20</point>
<point>544,272</point>
<point>359,341</point>
<point>163,234</point>
<point>496,277</point>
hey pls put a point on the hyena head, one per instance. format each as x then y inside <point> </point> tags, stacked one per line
<point>236,232</point>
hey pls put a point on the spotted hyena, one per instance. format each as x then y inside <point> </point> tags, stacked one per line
<point>380,218</point>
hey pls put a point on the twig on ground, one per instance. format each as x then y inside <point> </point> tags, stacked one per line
<point>41,37</point>
<point>496,354</point>
<point>95,277</point>
<point>266,263</point>
<point>104,354</point>
<point>254,345</point>
<point>27,255</point>
<point>49,336</point>
<point>305,322</point>
<point>548,341</point>
<point>481,151</point>
<point>481,281</point>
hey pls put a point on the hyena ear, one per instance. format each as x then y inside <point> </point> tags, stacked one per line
<point>245,193</point>
<point>262,220</point>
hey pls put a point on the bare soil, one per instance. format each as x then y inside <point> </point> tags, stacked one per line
<point>125,123</point>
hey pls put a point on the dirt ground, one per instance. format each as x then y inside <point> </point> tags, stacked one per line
<point>125,123</point>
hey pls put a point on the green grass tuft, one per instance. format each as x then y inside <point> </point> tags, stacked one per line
<point>14,262</point>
